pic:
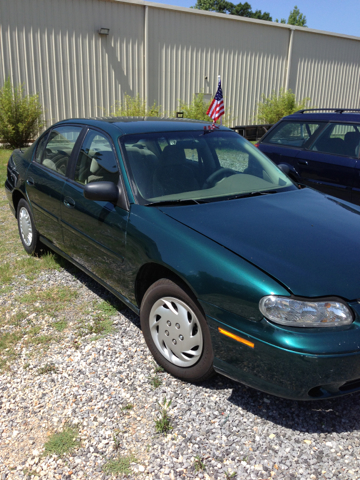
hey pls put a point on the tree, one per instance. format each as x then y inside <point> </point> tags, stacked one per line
<point>272,109</point>
<point>295,18</point>
<point>223,6</point>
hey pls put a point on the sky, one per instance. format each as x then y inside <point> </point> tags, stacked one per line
<point>340,16</point>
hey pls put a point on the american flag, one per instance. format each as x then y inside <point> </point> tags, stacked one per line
<point>216,109</point>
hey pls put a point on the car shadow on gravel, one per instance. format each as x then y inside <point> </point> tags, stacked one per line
<point>96,288</point>
<point>340,415</point>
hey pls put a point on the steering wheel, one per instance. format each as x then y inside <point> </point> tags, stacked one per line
<point>217,176</point>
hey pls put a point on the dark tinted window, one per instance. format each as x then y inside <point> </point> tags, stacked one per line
<point>97,161</point>
<point>339,139</point>
<point>293,134</point>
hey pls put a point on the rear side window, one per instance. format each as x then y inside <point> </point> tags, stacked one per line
<point>54,150</point>
<point>292,134</point>
<point>339,139</point>
<point>41,148</point>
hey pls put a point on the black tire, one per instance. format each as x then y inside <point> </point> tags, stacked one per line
<point>183,319</point>
<point>29,236</point>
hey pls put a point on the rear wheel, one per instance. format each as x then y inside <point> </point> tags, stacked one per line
<point>28,234</point>
<point>176,331</point>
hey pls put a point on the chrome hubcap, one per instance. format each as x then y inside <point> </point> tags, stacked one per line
<point>25,226</point>
<point>176,331</point>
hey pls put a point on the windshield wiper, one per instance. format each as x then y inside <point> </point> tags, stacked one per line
<point>183,201</point>
<point>252,194</point>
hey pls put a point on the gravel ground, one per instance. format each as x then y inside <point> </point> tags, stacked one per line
<point>230,430</point>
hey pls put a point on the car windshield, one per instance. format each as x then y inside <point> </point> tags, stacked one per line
<point>196,166</point>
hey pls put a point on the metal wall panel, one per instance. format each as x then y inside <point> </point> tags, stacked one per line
<point>184,48</point>
<point>326,69</point>
<point>164,54</point>
<point>53,48</point>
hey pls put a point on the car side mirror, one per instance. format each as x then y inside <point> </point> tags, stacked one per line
<point>290,172</point>
<point>102,192</point>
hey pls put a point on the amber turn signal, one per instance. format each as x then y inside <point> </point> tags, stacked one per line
<point>235,337</point>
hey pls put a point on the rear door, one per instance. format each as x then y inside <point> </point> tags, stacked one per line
<point>329,163</point>
<point>95,232</point>
<point>45,179</point>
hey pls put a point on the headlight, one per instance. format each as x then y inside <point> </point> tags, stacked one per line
<point>298,313</point>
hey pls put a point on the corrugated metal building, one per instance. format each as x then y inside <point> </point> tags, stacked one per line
<point>164,54</point>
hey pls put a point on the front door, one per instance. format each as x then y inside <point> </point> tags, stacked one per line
<point>94,232</point>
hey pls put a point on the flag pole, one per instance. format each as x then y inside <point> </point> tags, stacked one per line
<point>219,80</point>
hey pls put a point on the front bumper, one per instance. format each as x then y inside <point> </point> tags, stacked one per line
<point>298,364</point>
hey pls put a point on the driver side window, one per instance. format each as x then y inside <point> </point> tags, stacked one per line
<point>97,161</point>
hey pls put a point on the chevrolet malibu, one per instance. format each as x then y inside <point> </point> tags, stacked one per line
<point>231,266</point>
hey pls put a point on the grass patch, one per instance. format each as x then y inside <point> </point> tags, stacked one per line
<point>60,325</point>
<point>48,368</point>
<point>116,440</point>
<point>6,273</point>
<point>119,465</point>
<point>158,369</point>
<point>198,464</point>
<point>53,295</point>
<point>107,309</point>
<point>163,424</point>
<point>29,473</point>
<point>99,326</point>
<point>34,331</point>
<point>102,324</point>
<point>4,158</point>
<point>127,407</point>
<point>8,340</point>
<point>229,475</point>
<point>41,340</point>
<point>155,381</point>
<point>62,442</point>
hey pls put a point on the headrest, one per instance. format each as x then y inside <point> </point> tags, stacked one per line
<point>352,137</point>
<point>173,155</point>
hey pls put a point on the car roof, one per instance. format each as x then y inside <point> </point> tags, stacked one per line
<point>332,115</point>
<point>133,125</point>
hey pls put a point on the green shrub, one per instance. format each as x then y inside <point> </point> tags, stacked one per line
<point>272,109</point>
<point>198,107</point>
<point>135,107</point>
<point>20,116</point>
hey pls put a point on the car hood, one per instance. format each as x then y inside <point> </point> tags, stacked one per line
<point>308,241</point>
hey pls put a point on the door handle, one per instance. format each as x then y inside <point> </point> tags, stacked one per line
<point>303,162</point>
<point>30,182</point>
<point>69,202</point>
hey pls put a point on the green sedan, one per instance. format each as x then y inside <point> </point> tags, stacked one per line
<point>231,266</point>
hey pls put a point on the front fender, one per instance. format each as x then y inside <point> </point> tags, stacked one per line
<point>216,275</point>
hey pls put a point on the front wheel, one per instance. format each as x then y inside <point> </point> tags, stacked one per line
<point>176,331</point>
<point>28,234</point>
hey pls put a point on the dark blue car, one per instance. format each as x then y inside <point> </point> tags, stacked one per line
<point>319,148</point>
